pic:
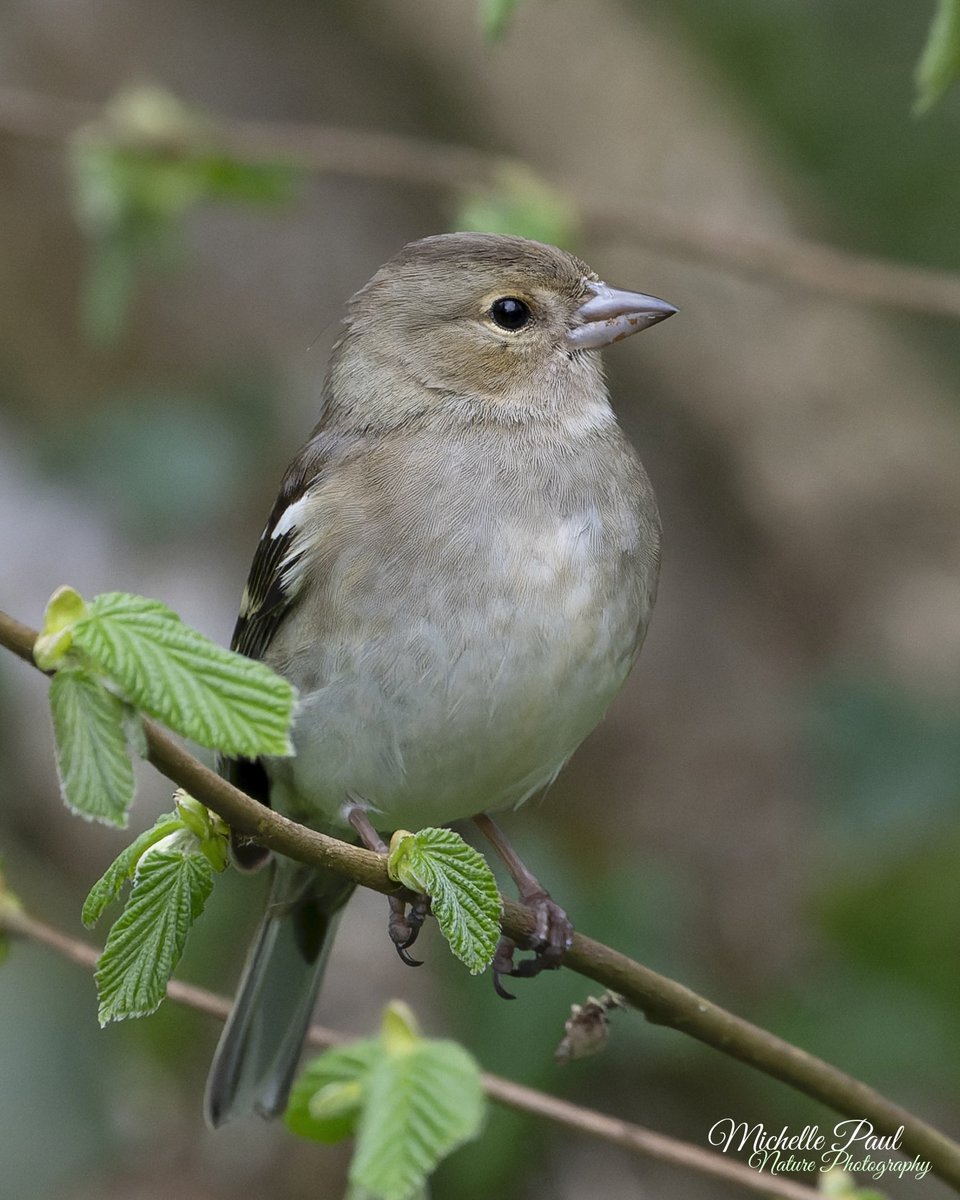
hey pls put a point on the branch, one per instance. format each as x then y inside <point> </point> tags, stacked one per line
<point>663,1001</point>
<point>419,162</point>
<point>587,1121</point>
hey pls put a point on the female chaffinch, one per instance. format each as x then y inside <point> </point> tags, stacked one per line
<point>457,577</point>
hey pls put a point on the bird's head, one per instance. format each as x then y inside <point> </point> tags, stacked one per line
<point>485,321</point>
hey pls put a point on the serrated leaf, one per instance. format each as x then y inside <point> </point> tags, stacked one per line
<point>145,944</point>
<point>216,697</point>
<point>409,1100</point>
<point>93,765</point>
<point>420,1106</point>
<point>463,891</point>
<point>334,1116</point>
<point>939,64</point>
<point>135,732</point>
<point>110,884</point>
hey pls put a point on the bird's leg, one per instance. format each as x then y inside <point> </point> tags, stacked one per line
<point>553,934</point>
<point>403,925</point>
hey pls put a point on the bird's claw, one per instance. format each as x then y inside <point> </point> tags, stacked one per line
<point>503,964</point>
<point>405,924</point>
<point>408,959</point>
<point>551,939</point>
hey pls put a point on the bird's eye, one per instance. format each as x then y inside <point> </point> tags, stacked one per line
<point>510,313</point>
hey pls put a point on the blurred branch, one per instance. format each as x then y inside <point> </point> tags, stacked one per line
<point>395,158</point>
<point>624,1134</point>
<point>663,1001</point>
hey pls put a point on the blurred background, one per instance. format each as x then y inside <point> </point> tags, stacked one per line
<point>769,811</point>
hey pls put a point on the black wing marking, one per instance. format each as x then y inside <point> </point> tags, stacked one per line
<point>268,596</point>
<point>267,599</point>
<point>265,602</point>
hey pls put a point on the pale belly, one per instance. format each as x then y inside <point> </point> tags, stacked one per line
<point>437,719</point>
<point>451,664</point>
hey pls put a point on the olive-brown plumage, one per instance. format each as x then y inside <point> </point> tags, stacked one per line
<point>457,576</point>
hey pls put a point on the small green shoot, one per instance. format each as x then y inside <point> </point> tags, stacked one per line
<point>409,1101</point>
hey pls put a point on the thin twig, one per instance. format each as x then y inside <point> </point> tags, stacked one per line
<point>420,162</point>
<point>663,1001</point>
<point>628,1136</point>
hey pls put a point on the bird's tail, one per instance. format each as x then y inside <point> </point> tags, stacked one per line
<point>260,1046</point>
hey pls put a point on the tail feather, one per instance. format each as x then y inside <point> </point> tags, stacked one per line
<point>259,1049</point>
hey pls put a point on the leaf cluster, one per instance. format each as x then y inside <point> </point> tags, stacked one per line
<point>115,659</point>
<point>121,656</point>
<point>408,1100</point>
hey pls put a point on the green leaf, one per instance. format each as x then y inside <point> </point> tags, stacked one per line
<point>939,64</point>
<point>463,891</point>
<point>110,884</point>
<point>193,814</point>
<point>135,732</point>
<point>399,1029</point>
<point>224,178</point>
<point>421,1104</point>
<point>495,17</point>
<point>203,691</point>
<point>95,771</point>
<point>170,887</point>
<point>136,175</point>
<point>522,205</point>
<point>328,1096</point>
<point>210,830</point>
<point>409,1100</point>
<point>64,609</point>
<point>210,837</point>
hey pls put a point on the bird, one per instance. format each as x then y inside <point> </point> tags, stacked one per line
<point>457,577</point>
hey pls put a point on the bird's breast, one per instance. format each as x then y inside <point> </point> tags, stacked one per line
<point>467,635</point>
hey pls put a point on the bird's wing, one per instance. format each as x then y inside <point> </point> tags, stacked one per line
<point>274,583</point>
<point>270,589</point>
<point>271,592</point>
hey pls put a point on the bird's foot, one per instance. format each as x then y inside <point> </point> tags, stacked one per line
<point>552,937</point>
<point>408,910</point>
<point>552,933</point>
<point>406,920</point>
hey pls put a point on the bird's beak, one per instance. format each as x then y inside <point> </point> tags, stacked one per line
<point>611,314</point>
